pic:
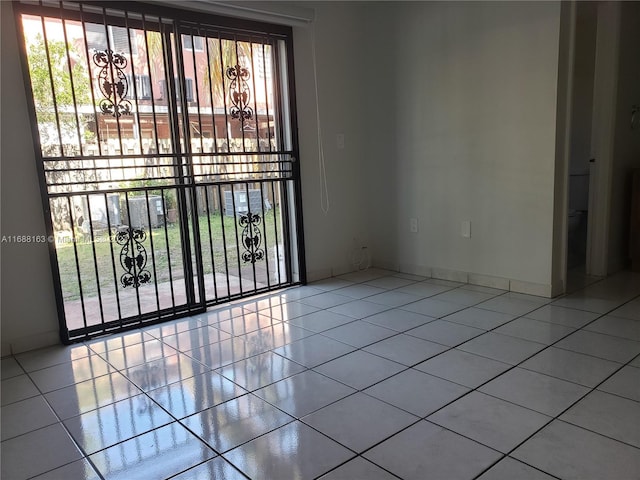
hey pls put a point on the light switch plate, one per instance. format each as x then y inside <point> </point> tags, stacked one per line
<point>465,230</point>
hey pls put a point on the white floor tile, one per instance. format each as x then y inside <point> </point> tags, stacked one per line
<point>294,451</point>
<point>602,346</point>
<point>65,374</point>
<point>304,393</point>
<point>10,368</point>
<point>501,347</point>
<point>416,392</point>
<point>131,338</point>
<point>314,350</point>
<point>617,326</point>
<point>574,367</point>
<point>359,291</point>
<point>359,309</point>
<point>393,298</point>
<point>629,310</point>
<point>609,415</point>
<point>133,355</point>
<point>260,370</point>
<point>218,469</point>
<point>320,321</point>
<point>510,469</point>
<point>349,421</point>
<point>47,357</point>
<point>390,282</point>
<point>359,333</point>
<point>536,391</point>
<point>569,317</point>
<point>196,337</point>
<point>268,338</point>
<point>250,322</point>
<point>195,394</point>
<point>405,349</point>
<point>509,305</point>
<point>358,468</point>
<point>262,302</point>
<point>25,416</point>
<point>289,310</point>
<point>163,371</point>
<point>91,394</point>
<point>325,300</point>
<point>222,353</point>
<point>360,369</point>
<point>433,308</point>
<point>17,388</point>
<point>398,320</point>
<point>159,454</point>
<point>32,454</point>
<point>625,383</point>
<point>350,357</point>
<point>534,330</point>
<point>479,318</point>
<point>427,449</point>
<point>294,294</point>
<point>212,317</point>
<point>126,419</point>
<point>572,453</point>
<point>463,368</point>
<point>78,470</point>
<point>489,420</point>
<point>235,422</point>
<point>445,333</point>
<point>588,304</point>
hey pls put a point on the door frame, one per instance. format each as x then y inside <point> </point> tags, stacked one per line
<point>602,140</point>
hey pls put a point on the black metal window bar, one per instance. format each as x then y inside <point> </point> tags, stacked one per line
<point>168,172</point>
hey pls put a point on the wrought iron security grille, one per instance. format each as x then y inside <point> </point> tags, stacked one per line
<point>166,151</point>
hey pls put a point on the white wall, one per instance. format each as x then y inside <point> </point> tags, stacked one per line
<point>448,112</point>
<point>28,317</point>
<point>469,106</point>
<point>330,238</point>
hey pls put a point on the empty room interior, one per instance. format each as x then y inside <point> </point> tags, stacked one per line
<point>320,240</point>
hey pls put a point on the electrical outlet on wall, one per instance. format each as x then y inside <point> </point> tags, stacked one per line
<point>340,141</point>
<point>465,230</point>
<point>413,225</point>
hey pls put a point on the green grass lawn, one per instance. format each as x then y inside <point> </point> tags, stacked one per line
<point>220,238</point>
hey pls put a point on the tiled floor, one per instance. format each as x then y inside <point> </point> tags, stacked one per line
<point>372,375</point>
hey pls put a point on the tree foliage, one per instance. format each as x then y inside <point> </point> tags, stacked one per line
<point>60,83</point>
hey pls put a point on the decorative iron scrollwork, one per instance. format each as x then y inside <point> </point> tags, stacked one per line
<point>251,237</point>
<point>133,257</point>
<point>113,83</point>
<point>239,93</point>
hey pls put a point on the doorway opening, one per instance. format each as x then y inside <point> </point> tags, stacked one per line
<point>580,153</point>
<point>166,147</point>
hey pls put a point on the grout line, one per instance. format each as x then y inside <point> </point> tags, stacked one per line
<point>216,370</point>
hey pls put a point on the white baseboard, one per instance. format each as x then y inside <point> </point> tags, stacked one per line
<point>538,289</point>
<point>519,286</point>
<point>411,269</point>
<point>30,342</point>
<point>489,281</point>
<point>451,275</point>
